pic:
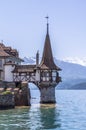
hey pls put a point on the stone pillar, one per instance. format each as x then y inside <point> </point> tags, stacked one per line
<point>22,95</point>
<point>47,95</point>
<point>25,93</point>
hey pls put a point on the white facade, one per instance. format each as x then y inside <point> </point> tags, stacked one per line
<point>7,65</point>
<point>8,75</point>
<point>2,61</point>
<point>38,75</point>
<point>9,57</point>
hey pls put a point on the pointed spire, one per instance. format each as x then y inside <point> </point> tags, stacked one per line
<point>47,61</point>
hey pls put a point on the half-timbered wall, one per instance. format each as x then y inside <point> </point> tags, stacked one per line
<point>29,77</point>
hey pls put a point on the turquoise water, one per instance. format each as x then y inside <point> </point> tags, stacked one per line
<point>68,114</point>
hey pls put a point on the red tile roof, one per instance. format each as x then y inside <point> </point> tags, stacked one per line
<point>8,51</point>
<point>2,52</point>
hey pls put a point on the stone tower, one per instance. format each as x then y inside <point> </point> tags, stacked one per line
<point>49,76</point>
<point>44,74</point>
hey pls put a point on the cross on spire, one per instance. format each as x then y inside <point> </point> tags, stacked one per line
<point>47,62</point>
<point>47,17</point>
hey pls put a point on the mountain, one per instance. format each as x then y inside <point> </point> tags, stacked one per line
<point>29,60</point>
<point>79,86</point>
<point>72,74</point>
<point>72,84</point>
<point>76,60</point>
<point>71,70</point>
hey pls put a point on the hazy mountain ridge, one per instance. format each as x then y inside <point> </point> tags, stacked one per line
<point>76,60</point>
<point>79,86</point>
<point>72,74</point>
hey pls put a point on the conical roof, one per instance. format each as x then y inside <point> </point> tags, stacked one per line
<point>47,61</point>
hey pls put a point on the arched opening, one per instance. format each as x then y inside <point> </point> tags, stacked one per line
<point>35,93</point>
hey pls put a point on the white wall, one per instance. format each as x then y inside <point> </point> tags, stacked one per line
<point>2,68</point>
<point>8,72</point>
<point>37,75</point>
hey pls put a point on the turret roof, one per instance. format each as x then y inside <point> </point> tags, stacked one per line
<point>47,61</point>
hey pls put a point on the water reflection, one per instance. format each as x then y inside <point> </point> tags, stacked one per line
<point>49,117</point>
<point>37,117</point>
<point>15,119</point>
<point>43,116</point>
<point>52,117</point>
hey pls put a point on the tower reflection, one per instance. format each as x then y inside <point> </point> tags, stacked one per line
<point>49,117</point>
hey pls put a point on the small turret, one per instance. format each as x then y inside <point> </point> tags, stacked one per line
<point>49,75</point>
<point>47,61</point>
<point>37,58</point>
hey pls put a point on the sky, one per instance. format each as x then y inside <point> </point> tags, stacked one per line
<point>23,26</point>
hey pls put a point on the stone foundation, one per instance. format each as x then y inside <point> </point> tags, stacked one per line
<point>5,84</point>
<point>47,95</point>
<point>12,95</point>
<point>7,101</point>
<point>22,96</point>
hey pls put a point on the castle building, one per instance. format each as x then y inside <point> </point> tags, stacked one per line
<point>8,59</point>
<point>49,76</point>
<point>44,74</point>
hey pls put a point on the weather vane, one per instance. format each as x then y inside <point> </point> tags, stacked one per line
<point>47,17</point>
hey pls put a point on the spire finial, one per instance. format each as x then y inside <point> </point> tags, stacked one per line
<point>47,17</point>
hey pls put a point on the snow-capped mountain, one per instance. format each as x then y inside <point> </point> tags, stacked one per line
<point>76,60</point>
<point>70,69</point>
<point>29,60</point>
<point>72,73</point>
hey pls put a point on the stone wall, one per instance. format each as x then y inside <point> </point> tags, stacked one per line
<point>5,84</point>
<point>47,95</point>
<point>22,96</point>
<point>7,101</point>
<point>12,95</point>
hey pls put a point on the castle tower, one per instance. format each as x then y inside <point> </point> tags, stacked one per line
<point>49,76</point>
<point>44,74</point>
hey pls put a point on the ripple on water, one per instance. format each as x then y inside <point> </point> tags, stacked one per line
<point>68,114</point>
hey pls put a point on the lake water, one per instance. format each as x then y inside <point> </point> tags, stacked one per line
<point>69,113</point>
